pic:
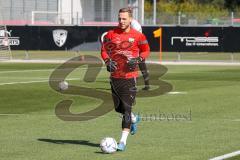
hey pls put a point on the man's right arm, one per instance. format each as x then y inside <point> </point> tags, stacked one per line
<point>111,65</point>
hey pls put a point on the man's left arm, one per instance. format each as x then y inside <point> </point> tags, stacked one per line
<point>144,49</point>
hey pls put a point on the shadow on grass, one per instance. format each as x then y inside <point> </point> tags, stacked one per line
<point>78,142</point>
<point>108,89</point>
<point>100,152</point>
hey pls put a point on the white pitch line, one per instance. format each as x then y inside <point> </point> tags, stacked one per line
<point>236,120</point>
<point>12,114</point>
<point>30,70</point>
<point>34,61</point>
<point>208,63</point>
<point>28,82</point>
<point>176,93</point>
<point>37,70</point>
<point>143,119</point>
<point>204,63</point>
<point>24,78</point>
<point>226,156</point>
<point>49,115</point>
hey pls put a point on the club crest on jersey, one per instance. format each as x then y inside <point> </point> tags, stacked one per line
<point>60,37</point>
<point>131,40</point>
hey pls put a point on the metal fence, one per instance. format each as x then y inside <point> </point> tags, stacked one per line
<point>193,19</point>
<point>100,12</point>
<point>19,12</point>
<point>65,12</point>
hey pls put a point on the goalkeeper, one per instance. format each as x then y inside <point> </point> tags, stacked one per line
<point>142,65</point>
<point>123,48</point>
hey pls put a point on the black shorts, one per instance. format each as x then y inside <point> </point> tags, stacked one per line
<point>123,93</point>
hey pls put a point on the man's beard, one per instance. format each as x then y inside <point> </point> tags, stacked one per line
<point>124,27</point>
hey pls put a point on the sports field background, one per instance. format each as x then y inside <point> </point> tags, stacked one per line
<point>30,129</point>
<point>166,56</point>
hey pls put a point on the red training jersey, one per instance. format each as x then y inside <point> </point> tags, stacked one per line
<point>120,46</point>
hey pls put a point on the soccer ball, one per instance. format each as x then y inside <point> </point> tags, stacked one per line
<point>108,145</point>
<point>63,85</point>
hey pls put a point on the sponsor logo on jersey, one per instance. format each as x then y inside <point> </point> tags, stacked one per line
<point>131,40</point>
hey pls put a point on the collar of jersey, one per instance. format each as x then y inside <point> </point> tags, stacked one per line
<point>120,31</point>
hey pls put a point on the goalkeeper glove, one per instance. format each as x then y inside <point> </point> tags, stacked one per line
<point>132,63</point>
<point>111,65</point>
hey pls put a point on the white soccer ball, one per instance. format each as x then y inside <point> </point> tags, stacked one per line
<point>63,85</point>
<point>108,145</point>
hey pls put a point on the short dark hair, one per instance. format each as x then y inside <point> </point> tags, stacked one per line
<point>127,9</point>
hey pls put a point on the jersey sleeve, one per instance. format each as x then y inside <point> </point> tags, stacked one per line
<point>135,25</point>
<point>143,47</point>
<point>104,53</point>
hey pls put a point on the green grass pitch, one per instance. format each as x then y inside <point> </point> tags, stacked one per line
<point>30,130</point>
